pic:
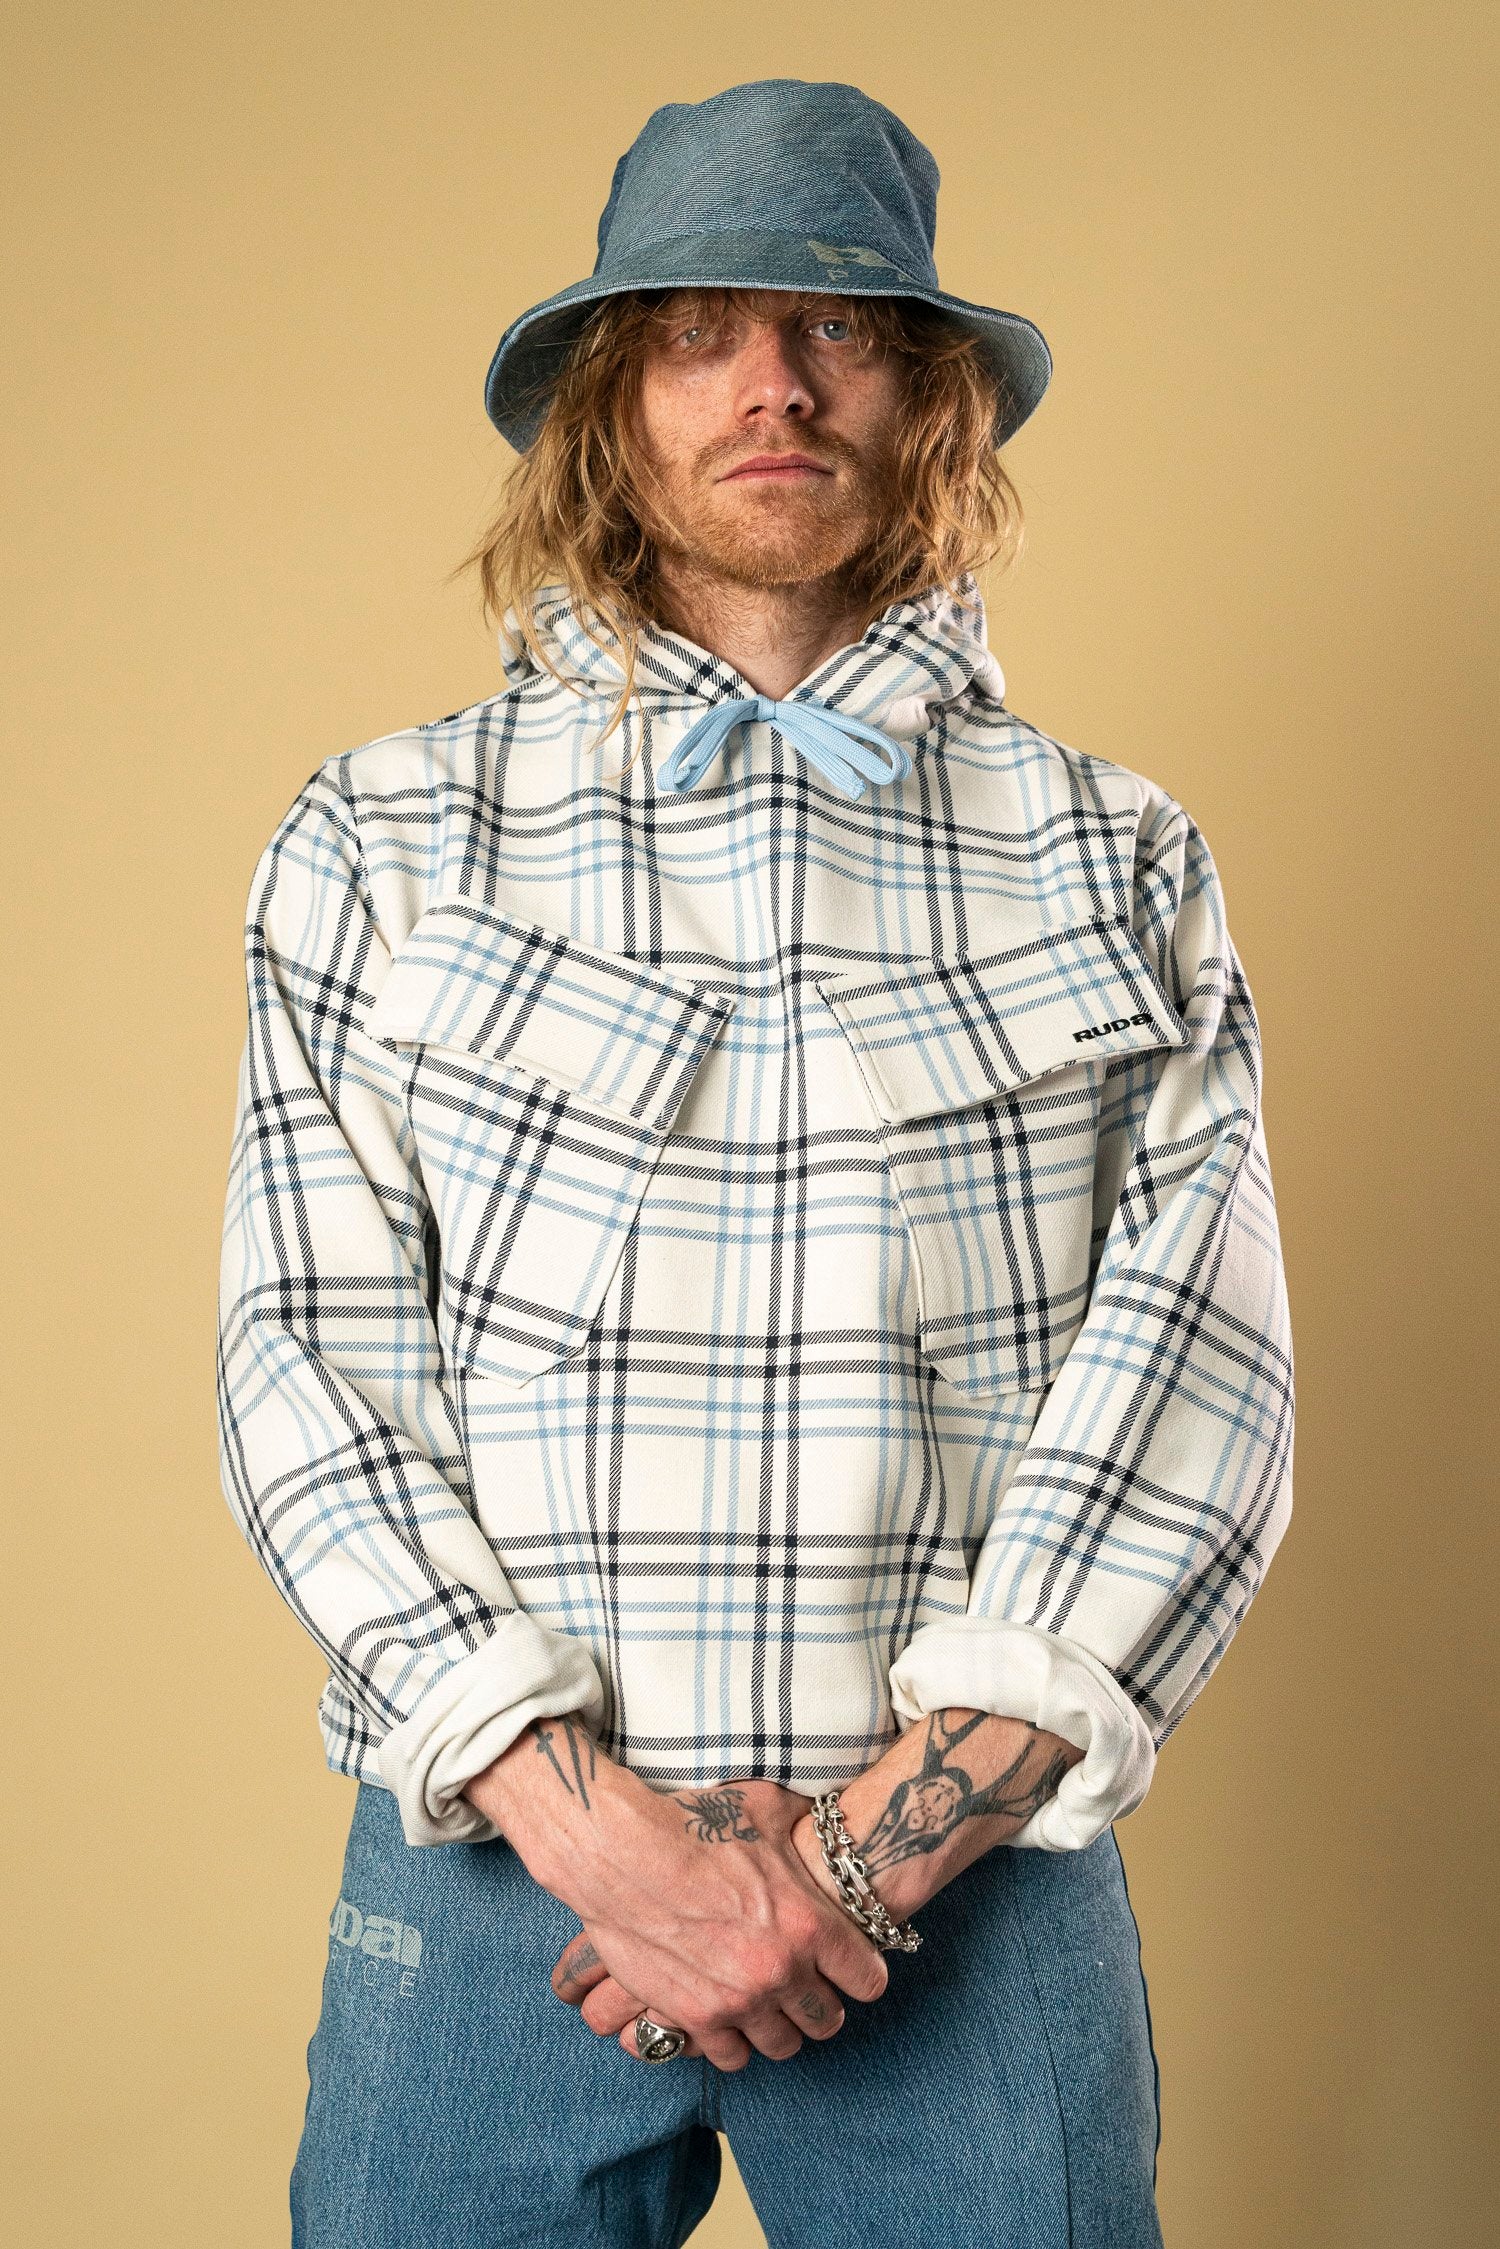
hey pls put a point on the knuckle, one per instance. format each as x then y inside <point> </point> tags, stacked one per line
<point>776,1967</point>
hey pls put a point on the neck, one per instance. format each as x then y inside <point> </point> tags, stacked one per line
<point>774,636</point>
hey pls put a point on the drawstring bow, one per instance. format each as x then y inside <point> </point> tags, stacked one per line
<point>846,750</point>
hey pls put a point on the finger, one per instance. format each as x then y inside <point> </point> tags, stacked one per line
<point>726,2049</point>
<point>608,2007</point>
<point>578,1969</point>
<point>854,1962</point>
<point>816,2009</point>
<point>692,2051</point>
<point>773,2034</point>
<point>849,1959</point>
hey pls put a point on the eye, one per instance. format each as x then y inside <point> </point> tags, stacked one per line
<point>833,320</point>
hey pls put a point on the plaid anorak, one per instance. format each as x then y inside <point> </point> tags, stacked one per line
<point>754,1265</point>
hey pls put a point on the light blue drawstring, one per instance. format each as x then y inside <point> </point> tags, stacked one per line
<point>829,739</point>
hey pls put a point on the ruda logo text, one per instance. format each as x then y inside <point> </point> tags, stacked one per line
<point>1117,1023</point>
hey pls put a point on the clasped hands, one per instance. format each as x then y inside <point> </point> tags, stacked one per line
<point>712,1909</point>
<point>773,1971</point>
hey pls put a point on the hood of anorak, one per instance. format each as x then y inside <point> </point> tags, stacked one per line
<point>919,655</point>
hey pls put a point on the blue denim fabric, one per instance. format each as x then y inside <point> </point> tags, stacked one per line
<point>779,183</point>
<point>1002,2090</point>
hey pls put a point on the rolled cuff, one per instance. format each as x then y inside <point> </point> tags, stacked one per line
<point>470,1716</point>
<point>1018,1671</point>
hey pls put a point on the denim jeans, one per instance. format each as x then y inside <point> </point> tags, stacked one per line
<point>1002,2090</point>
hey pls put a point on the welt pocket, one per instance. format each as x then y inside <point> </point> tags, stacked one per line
<point>986,1074</point>
<point>545,1078</point>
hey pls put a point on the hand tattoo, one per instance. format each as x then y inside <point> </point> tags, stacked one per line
<point>718,1816</point>
<point>815,2009</point>
<point>583,1959</point>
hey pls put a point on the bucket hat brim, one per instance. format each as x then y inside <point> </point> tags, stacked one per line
<point>530,355</point>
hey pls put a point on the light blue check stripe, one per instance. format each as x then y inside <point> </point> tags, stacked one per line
<point>680,1257</point>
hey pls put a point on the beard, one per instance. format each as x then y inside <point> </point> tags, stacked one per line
<point>765,535</point>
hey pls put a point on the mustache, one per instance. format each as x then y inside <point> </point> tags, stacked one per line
<point>823,455</point>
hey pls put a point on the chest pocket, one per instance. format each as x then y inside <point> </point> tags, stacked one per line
<point>986,1076</point>
<point>545,1079</point>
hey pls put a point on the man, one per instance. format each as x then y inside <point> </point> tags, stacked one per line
<point>753,1329</point>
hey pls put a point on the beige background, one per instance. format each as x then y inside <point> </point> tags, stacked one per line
<point>258,260</point>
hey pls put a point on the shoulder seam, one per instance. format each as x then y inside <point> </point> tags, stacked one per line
<point>332,768</point>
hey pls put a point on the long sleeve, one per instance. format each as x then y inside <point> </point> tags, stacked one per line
<point>1156,1484</point>
<point>340,1454</point>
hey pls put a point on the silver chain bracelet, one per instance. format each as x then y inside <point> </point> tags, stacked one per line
<point>853,1878</point>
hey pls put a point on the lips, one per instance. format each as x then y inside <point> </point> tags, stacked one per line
<point>789,467</point>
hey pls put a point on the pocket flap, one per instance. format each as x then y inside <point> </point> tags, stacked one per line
<point>623,1036</point>
<point>961,1031</point>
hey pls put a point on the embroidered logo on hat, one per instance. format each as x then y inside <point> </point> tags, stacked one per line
<point>834,254</point>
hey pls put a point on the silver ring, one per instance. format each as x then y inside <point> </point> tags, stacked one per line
<point>657,2042</point>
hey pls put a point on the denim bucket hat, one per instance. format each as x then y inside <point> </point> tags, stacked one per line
<point>777,184</point>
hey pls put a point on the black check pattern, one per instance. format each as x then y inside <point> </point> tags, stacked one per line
<point>751,1265</point>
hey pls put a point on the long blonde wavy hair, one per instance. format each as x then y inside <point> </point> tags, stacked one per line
<point>573,505</point>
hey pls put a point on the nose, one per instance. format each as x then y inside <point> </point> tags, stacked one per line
<point>769,375</point>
